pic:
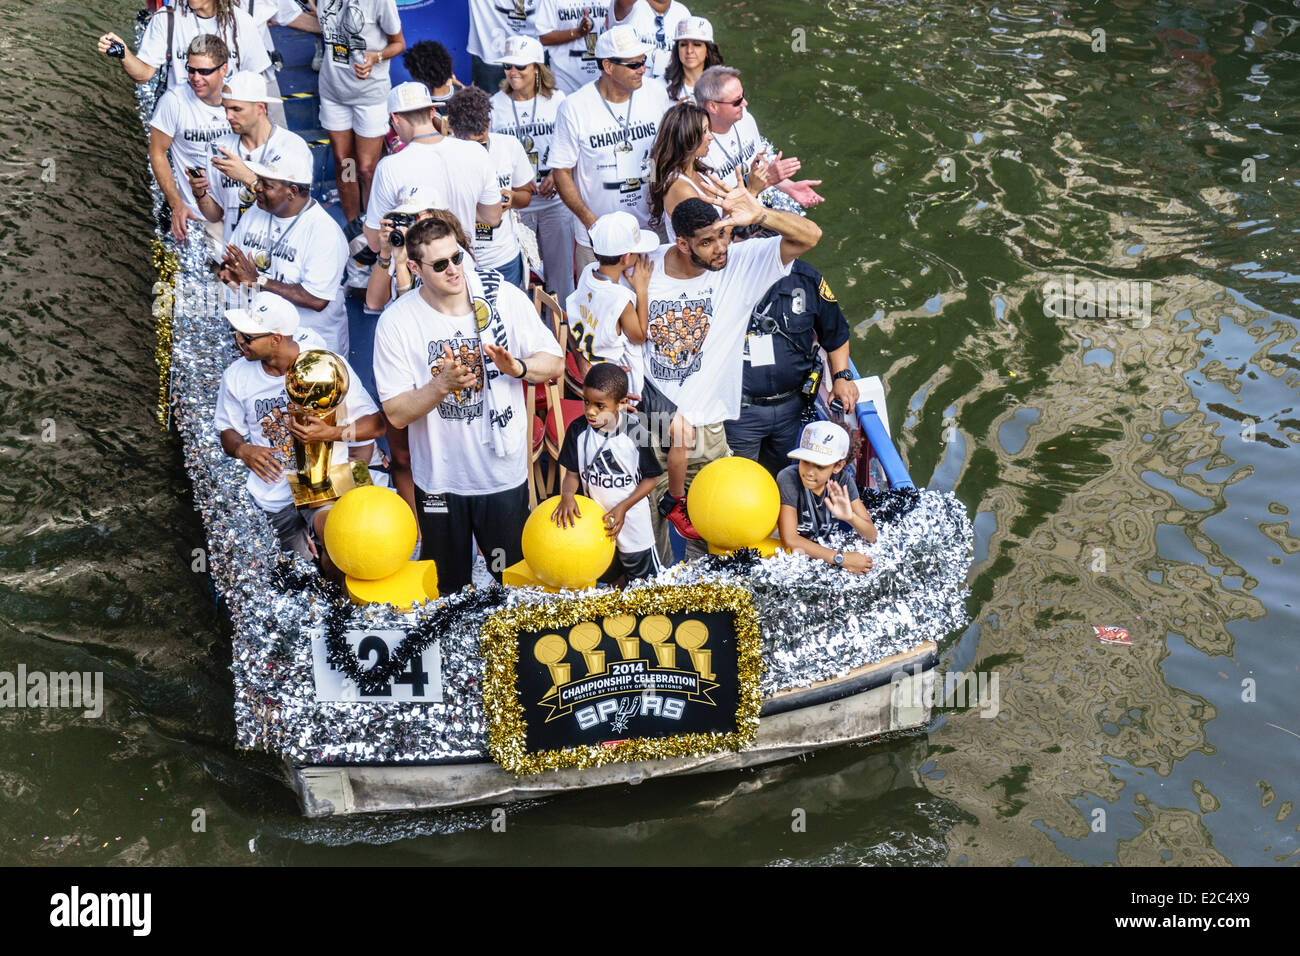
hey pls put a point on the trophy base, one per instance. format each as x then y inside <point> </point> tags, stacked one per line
<point>343,478</point>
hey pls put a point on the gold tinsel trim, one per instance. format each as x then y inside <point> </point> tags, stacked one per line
<point>168,265</point>
<point>500,650</point>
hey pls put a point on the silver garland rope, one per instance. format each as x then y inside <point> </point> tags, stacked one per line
<point>816,624</point>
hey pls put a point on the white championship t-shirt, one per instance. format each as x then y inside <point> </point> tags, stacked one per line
<point>594,308</point>
<point>347,27</point>
<point>247,402</point>
<point>574,63</point>
<point>532,122</point>
<point>611,164</point>
<point>251,54</point>
<point>451,447</point>
<point>450,174</point>
<point>193,125</point>
<point>655,29</point>
<point>307,250</point>
<point>738,144</point>
<point>693,349</point>
<point>491,21</point>
<point>234,197</point>
<point>610,465</point>
<point>496,246</point>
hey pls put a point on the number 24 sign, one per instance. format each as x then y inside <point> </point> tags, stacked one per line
<point>420,682</point>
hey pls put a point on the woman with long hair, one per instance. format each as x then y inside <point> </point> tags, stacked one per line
<point>525,107</point>
<point>693,52</point>
<point>189,19</point>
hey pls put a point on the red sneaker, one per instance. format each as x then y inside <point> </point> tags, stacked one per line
<point>678,518</point>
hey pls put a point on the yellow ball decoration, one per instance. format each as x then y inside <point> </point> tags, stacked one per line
<point>370,533</point>
<point>567,557</point>
<point>733,502</point>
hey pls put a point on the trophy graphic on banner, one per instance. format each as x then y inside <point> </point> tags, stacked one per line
<point>316,385</point>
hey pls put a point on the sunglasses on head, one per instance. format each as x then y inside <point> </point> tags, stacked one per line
<point>201,70</point>
<point>634,65</point>
<point>440,265</point>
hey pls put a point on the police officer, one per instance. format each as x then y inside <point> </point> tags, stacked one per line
<point>796,314</point>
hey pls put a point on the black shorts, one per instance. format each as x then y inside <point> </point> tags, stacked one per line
<point>451,523</point>
<point>640,564</point>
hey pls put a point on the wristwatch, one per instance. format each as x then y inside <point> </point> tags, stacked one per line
<point>839,559</point>
<point>843,375</point>
<point>262,279</point>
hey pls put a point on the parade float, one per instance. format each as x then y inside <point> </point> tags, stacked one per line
<point>495,694</point>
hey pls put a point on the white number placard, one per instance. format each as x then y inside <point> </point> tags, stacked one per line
<point>420,682</point>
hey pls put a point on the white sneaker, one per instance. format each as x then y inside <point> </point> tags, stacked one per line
<point>356,276</point>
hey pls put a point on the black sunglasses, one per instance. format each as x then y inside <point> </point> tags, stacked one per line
<point>634,65</point>
<point>515,67</point>
<point>201,71</point>
<point>440,265</point>
<point>736,102</point>
<point>246,338</point>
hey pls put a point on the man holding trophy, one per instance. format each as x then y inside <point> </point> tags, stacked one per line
<point>307,434</point>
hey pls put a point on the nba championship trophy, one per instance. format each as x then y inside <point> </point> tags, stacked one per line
<point>316,385</point>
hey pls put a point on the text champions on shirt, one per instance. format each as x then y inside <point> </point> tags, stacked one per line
<point>637,131</point>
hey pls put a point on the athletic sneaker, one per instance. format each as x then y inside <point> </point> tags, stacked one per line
<point>674,509</point>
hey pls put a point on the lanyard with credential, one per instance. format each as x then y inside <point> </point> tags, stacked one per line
<point>263,259</point>
<point>627,123</point>
<point>740,153</point>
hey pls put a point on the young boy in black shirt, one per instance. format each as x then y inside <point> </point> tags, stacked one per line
<point>816,492</point>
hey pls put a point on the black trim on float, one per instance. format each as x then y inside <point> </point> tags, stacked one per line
<point>840,689</point>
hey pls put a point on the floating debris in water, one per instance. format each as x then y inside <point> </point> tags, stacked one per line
<point>1108,634</point>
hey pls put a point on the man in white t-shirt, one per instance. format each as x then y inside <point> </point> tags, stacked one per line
<point>442,172</point>
<point>187,21</point>
<point>495,247</point>
<point>655,22</point>
<point>736,140</point>
<point>600,156</point>
<point>225,191</point>
<point>450,361</point>
<point>702,291</point>
<point>490,23</point>
<point>569,30</point>
<point>255,427</point>
<point>186,119</point>
<point>288,244</point>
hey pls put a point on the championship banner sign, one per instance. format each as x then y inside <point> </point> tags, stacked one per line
<point>644,674</point>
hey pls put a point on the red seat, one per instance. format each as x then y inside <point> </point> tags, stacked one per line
<point>539,432</point>
<point>571,410</point>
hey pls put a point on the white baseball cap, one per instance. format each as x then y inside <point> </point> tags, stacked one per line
<point>822,443</point>
<point>694,28</point>
<point>522,50</point>
<point>294,166</point>
<point>618,233</point>
<point>409,96</point>
<point>247,87</point>
<point>620,43</point>
<point>269,313</point>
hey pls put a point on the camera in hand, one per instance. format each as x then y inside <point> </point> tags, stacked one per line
<point>116,49</point>
<point>401,222</point>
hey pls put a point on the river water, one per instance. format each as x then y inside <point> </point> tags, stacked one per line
<point>1120,471</point>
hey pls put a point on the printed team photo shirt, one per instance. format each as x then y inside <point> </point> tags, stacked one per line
<point>574,64</point>
<point>657,29</point>
<point>247,52</point>
<point>449,174</point>
<point>610,465</point>
<point>193,126</point>
<point>254,404</point>
<point>607,145</point>
<point>693,349</point>
<point>451,447</point>
<point>233,196</point>
<point>491,21</point>
<point>348,26</point>
<point>496,246</point>
<point>532,122</point>
<point>307,250</point>
<point>594,308</point>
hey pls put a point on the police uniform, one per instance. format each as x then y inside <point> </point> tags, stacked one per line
<point>776,366</point>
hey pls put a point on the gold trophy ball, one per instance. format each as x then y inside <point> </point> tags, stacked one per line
<point>550,649</point>
<point>317,380</point>
<point>692,635</point>
<point>656,629</point>
<point>619,625</point>
<point>585,637</point>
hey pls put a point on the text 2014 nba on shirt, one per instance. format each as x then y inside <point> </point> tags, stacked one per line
<point>532,122</point>
<point>233,196</point>
<point>610,466</point>
<point>193,125</point>
<point>491,21</point>
<point>451,447</point>
<point>693,349</point>
<point>607,145</point>
<point>574,64</point>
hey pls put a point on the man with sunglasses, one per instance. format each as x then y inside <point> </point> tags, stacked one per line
<point>251,417</point>
<point>186,119</point>
<point>450,364</point>
<point>655,22</point>
<point>600,155</point>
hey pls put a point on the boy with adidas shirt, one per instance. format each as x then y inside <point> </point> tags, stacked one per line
<point>255,428</point>
<point>608,455</point>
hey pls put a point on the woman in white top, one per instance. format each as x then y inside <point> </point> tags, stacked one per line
<point>693,52</point>
<point>526,108</point>
<point>188,19</point>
